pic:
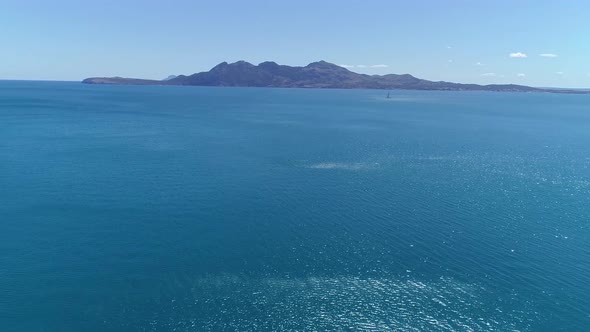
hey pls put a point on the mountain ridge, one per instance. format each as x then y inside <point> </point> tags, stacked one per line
<point>319,75</point>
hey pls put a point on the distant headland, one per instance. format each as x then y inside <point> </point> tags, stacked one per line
<point>319,74</point>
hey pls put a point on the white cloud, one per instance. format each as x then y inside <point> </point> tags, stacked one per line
<point>489,74</point>
<point>479,64</point>
<point>517,55</point>
<point>346,66</point>
<point>520,75</point>
<point>548,55</point>
<point>361,66</point>
<point>379,66</point>
<point>559,72</point>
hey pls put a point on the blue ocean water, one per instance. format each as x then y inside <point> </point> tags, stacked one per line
<point>128,208</point>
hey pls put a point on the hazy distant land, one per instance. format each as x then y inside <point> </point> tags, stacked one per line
<point>319,74</point>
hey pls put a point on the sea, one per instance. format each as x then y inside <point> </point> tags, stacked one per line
<point>162,208</point>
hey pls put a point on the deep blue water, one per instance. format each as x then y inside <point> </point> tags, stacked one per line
<point>232,209</point>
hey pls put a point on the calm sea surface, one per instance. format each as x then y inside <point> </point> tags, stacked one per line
<point>129,208</point>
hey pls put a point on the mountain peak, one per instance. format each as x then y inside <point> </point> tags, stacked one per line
<point>242,63</point>
<point>322,64</point>
<point>268,64</point>
<point>224,66</point>
<point>220,65</point>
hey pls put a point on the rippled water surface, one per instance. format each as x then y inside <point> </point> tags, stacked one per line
<point>232,209</point>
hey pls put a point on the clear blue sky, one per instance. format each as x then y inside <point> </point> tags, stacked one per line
<point>455,40</point>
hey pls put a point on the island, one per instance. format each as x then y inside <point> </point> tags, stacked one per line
<point>320,74</point>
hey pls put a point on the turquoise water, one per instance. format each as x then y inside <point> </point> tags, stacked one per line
<point>233,209</point>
